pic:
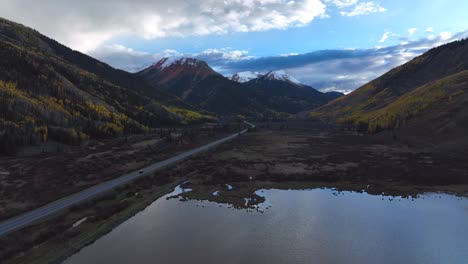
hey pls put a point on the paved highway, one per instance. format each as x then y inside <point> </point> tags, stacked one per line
<point>28,218</point>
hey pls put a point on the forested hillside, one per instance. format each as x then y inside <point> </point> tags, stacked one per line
<point>48,91</point>
<point>430,91</point>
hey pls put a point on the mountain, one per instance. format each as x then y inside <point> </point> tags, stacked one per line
<point>281,75</point>
<point>243,77</point>
<point>273,94</point>
<point>332,95</point>
<point>177,75</point>
<point>198,84</point>
<point>48,91</point>
<point>285,93</point>
<point>426,96</point>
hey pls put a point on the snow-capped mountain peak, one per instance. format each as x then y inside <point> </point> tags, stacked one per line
<point>279,75</point>
<point>245,76</point>
<point>282,75</point>
<point>180,61</point>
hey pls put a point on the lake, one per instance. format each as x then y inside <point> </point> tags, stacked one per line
<point>291,226</point>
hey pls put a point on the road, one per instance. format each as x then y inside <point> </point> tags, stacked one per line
<point>28,218</point>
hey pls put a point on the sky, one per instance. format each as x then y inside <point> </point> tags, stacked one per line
<point>328,44</point>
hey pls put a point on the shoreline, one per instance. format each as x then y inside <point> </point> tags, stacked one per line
<point>55,251</point>
<point>236,197</point>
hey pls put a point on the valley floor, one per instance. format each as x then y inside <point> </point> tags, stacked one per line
<point>293,155</point>
<point>42,174</point>
<point>300,155</point>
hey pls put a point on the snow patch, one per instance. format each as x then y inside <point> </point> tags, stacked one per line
<point>79,222</point>
<point>282,75</point>
<point>166,62</point>
<point>169,61</point>
<point>245,76</point>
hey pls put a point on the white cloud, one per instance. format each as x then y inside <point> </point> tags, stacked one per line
<point>355,7</point>
<point>289,54</point>
<point>412,31</point>
<point>131,60</point>
<point>169,53</point>
<point>343,3</point>
<point>335,89</point>
<point>364,8</point>
<point>126,58</point>
<point>123,49</point>
<point>226,53</point>
<point>86,24</point>
<point>384,37</point>
<point>430,29</point>
<point>445,35</point>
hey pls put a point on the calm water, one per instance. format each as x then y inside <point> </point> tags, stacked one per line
<point>307,226</point>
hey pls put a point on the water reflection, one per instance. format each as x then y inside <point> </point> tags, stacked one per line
<point>291,226</point>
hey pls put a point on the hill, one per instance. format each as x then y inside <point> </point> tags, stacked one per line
<point>48,91</point>
<point>426,96</point>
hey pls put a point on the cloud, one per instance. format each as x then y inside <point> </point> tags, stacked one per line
<point>445,35</point>
<point>430,29</point>
<point>384,37</point>
<point>217,58</point>
<point>223,54</point>
<point>343,3</point>
<point>86,24</point>
<point>289,54</point>
<point>342,70</point>
<point>125,58</point>
<point>364,8</point>
<point>411,31</point>
<point>355,7</point>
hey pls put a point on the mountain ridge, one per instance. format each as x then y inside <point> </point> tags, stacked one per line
<point>50,91</point>
<point>245,76</point>
<point>199,85</point>
<point>406,95</point>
